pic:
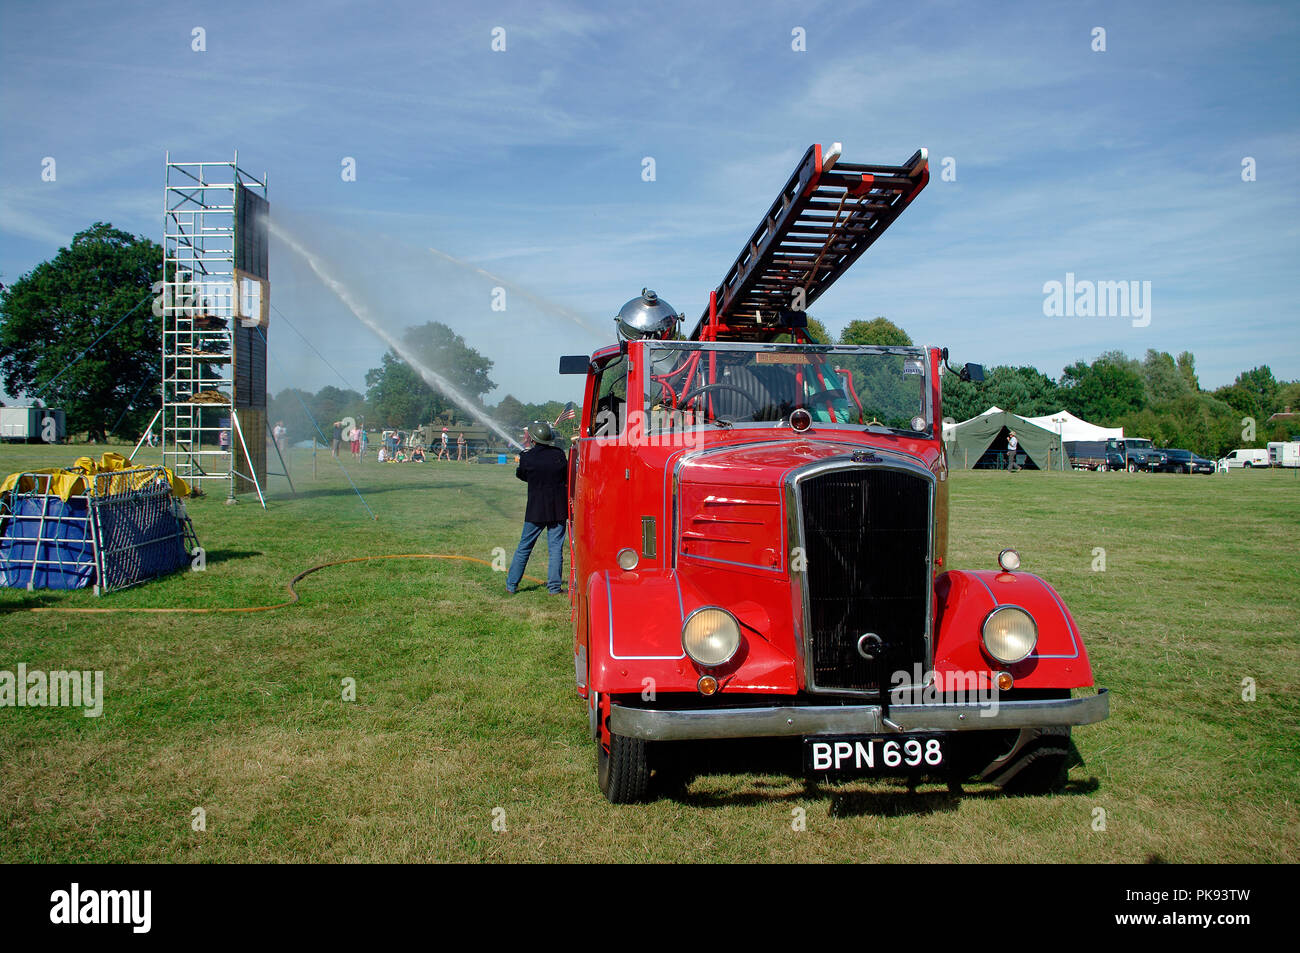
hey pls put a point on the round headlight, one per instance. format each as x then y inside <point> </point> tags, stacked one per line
<point>1009,560</point>
<point>1010,634</point>
<point>627,559</point>
<point>711,635</point>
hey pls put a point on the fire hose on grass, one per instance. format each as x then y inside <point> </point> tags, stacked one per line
<point>290,586</point>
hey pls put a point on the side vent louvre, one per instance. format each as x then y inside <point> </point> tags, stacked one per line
<point>648,537</point>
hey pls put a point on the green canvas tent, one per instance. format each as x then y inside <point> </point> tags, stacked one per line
<point>981,442</point>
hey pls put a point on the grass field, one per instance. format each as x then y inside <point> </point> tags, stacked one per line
<point>464,700</point>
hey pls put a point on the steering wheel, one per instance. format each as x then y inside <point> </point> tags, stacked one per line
<point>705,388</point>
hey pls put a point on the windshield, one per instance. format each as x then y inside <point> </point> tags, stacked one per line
<point>695,384</point>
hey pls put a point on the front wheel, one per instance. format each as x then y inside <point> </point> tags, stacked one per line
<point>622,768</point>
<point>1038,764</point>
<point>1132,466</point>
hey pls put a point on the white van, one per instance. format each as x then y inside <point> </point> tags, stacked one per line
<point>1246,458</point>
<point>1284,453</point>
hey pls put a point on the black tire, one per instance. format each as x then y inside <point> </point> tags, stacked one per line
<point>1248,465</point>
<point>1039,765</point>
<point>1187,468</point>
<point>623,771</point>
<point>1132,466</point>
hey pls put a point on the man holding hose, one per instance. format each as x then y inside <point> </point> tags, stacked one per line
<point>545,469</point>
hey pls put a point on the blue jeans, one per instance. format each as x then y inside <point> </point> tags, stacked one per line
<point>555,543</point>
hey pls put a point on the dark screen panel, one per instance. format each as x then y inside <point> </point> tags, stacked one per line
<point>250,367</point>
<point>252,213</point>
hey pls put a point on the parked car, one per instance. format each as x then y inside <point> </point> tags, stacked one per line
<point>759,537</point>
<point>1184,461</point>
<point>1134,454</point>
<point>1246,458</point>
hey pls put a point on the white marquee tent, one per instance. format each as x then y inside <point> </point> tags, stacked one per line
<point>1062,422</point>
<point>1072,428</point>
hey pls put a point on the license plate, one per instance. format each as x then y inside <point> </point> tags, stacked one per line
<point>873,754</point>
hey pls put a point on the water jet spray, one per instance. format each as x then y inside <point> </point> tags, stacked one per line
<point>430,376</point>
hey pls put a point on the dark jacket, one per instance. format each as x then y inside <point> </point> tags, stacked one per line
<point>546,471</point>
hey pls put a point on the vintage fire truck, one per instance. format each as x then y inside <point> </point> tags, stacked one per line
<point>759,537</point>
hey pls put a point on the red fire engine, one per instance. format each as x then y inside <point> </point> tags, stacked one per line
<point>759,535</point>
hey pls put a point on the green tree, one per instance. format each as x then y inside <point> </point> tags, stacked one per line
<point>332,403</point>
<point>1187,367</point>
<point>1289,396</point>
<point>817,331</point>
<point>290,406</point>
<point>1021,390</point>
<point>512,412</point>
<point>399,396</point>
<point>962,400</point>
<point>878,331</point>
<point>1163,378</point>
<point>1240,399</point>
<point>1104,390</point>
<point>1196,422</point>
<point>1284,427</point>
<point>547,411</point>
<point>62,307</point>
<point>1263,387</point>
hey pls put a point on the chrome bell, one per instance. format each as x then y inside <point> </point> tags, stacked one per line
<point>647,316</point>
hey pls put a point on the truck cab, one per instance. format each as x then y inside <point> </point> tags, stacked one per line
<point>759,542</point>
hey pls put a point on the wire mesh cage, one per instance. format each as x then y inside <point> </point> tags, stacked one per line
<point>124,527</point>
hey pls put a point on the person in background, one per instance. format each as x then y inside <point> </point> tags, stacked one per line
<point>354,439</point>
<point>279,432</point>
<point>442,446</point>
<point>365,442</point>
<point>336,440</point>
<point>546,471</point>
<point>460,447</point>
<point>383,454</point>
<point>223,440</point>
<point>1012,444</point>
<point>417,455</point>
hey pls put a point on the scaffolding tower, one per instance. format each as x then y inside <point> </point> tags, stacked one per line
<point>215,300</point>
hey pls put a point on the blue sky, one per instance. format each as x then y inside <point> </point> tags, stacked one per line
<point>1117,165</point>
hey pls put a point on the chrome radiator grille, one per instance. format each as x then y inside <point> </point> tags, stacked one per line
<point>866,537</point>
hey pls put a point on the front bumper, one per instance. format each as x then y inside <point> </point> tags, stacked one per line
<point>787,720</point>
